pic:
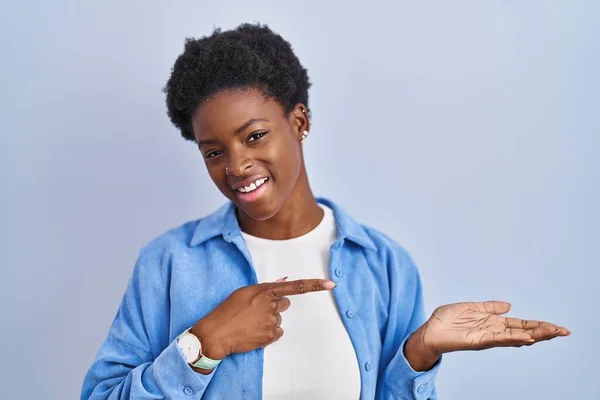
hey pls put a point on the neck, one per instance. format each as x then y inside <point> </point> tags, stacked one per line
<point>299,215</point>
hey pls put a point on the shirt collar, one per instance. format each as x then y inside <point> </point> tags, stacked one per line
<point>223,222</point>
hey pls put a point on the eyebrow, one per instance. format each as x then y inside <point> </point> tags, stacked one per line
<point>248,123</point>
<point>237,131</point>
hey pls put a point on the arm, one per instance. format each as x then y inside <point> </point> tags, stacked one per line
<point>137,360</point>
<point>409,374</point>
<point>452,327</point>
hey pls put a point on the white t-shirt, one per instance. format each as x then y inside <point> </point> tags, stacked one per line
<point>314,359</point>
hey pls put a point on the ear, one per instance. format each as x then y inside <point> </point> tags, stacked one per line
<point>300,120</point>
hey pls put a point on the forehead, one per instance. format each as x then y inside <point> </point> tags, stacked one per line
<point>228,110</point>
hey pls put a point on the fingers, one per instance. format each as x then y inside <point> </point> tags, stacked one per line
<point>283,304</point>
<point>536,328</point>
<point>564,331</point>
<point>502,339</point>
<point>278,333</point>
<point>276,336</point>
<point>522,323</point>
<point>525,333</point>
<point>517,337</point>
<point>517,323</point>
<point>492,307</point>
<point>547,331</point>
<point>280,289</point>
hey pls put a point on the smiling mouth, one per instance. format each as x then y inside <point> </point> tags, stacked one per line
<point>253,192</point>
<point>253,186</point>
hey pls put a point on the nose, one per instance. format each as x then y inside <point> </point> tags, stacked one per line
<point>238,164</point>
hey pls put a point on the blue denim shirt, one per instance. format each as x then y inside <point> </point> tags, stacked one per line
<point>184,274</point>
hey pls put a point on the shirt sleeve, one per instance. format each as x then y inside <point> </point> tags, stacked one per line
<point>137,360</point>
<point>398,379</point>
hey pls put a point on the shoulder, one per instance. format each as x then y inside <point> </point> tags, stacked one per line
<point>184,237</point>
<point>401,271</point>
<point>389,251</point>
<point>175,238</point>
<point>155,258</point>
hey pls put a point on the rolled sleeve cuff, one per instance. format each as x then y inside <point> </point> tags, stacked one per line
<point>175,377</point>
<point>402,379</point>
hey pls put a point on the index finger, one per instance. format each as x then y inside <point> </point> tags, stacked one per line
<point>301,286</point>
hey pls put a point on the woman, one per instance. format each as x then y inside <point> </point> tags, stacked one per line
<point>195,321</point>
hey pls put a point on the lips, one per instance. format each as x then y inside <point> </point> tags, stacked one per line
<point>247,182</point>
<point>254,193</point>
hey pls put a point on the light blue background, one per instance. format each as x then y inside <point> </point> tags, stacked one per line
<point>468,131</point>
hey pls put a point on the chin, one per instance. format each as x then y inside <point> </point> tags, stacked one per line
<point>257,212</point>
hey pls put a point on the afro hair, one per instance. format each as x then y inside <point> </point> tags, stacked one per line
<point>249,56</point>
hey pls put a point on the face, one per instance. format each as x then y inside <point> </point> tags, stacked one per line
<point>252,149</point>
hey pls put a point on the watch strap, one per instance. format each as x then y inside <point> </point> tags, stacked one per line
<point>205,363</point>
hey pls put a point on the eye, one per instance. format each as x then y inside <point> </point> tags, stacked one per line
<point>212,154</point>
<point>256,136</point>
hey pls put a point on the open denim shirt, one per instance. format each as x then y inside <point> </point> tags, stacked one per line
<point>185,273</point>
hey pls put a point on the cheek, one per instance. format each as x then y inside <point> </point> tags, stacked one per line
<point>287,160</point>
<point>217,174</point>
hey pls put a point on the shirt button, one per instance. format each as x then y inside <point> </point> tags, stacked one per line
<point>188,391</point>
<point>422,388</point>
<point>350,314</point>
<point>338,272</point>
<point>368,366</point>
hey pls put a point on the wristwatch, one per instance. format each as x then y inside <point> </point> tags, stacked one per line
<point>190,346</point>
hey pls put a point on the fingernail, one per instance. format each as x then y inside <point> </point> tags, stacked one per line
<point>329,285</point>
<point>281,279</point>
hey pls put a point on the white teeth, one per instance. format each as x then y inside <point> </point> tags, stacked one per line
<point>253,186</point>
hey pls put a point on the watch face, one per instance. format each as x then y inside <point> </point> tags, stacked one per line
<point>190,345</point>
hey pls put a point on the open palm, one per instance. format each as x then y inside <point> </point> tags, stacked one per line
<point>478,326</point>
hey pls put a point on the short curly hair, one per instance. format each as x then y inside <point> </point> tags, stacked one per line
<point>249,56</point>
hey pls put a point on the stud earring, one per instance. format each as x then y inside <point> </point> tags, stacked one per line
<point>304,135</point>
